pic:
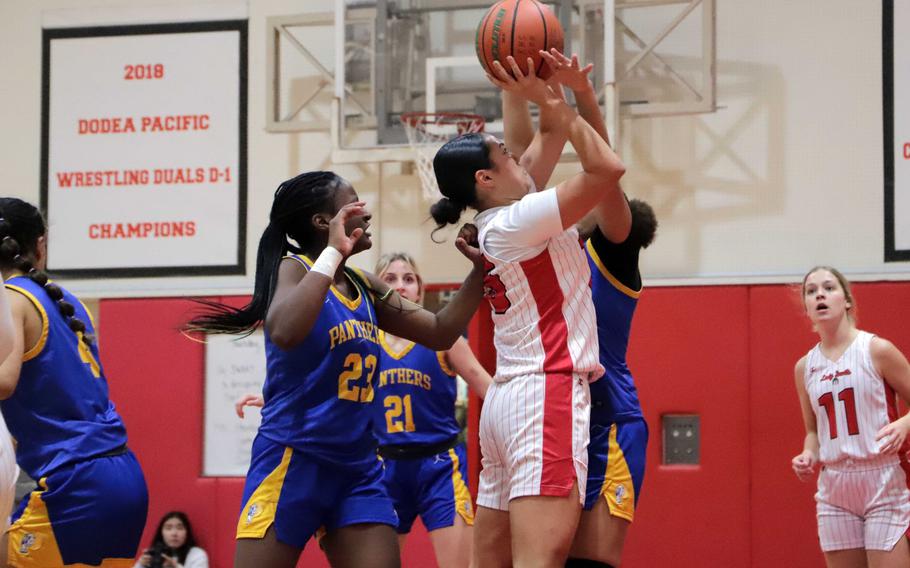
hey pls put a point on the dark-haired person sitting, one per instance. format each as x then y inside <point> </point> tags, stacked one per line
<point>174,545</point>
<point>55,401</point>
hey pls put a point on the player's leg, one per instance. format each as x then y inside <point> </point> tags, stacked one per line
<point>549,453</point>
<point>452,544</point>
<point>600,535</point>
<point>362,545</point>
<point>446,508</point>
<point>542,529</point>
<point>360,527</point>
<point>850,558</point>
<point>492,538</point>
<point>841,532</point>
<point>266,551</point>
<point>897,557</point>
<point>616,467</point>
<point>888,517</point>
<point>285,498</point>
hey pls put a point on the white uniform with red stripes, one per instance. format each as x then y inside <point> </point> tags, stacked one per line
<point>534,424</point>
<point>863,500</point>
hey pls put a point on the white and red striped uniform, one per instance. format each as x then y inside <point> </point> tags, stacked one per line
<point>534,424</point>
<point>863,499</point>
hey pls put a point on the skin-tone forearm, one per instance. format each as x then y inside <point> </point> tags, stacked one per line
<point>518,130</point>
<point>439,331</point>
<point>463,362</point>
<point>589,109</point>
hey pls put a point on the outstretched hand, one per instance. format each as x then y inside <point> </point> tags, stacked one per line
<point>567,72</point>
<point>467,244</point>
<point>527,86</point>
<point>248,400</point>
<point>338,237</point>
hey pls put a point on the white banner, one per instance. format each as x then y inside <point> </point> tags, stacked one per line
<point>897,119</point>
<point>144,148</point>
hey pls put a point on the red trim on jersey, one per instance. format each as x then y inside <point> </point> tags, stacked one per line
<point>558,473</point>
<point>554,333</point>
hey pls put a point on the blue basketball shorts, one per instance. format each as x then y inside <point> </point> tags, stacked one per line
<point>433,487</point>
<point>616,466</point>
<point>89,513</point>
<point>298,495</point>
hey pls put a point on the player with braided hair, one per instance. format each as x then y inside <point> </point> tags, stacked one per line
<point>55,401</point>
<point>314,461</point>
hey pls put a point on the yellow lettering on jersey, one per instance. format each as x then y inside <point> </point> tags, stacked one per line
<point>354,364</point>
<point>333,337</point>
<point>85,353</point>
<point>394,406</point>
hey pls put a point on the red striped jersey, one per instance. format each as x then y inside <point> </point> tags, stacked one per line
<point>851,401</point>
<point>537,283</point>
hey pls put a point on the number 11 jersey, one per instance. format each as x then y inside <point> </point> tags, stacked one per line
<point>852,402</point>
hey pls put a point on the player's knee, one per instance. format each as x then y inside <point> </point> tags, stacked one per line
<point>585,563</point>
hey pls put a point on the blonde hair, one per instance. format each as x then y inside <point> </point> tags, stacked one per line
<point>844,284</point>
<point>386,260</point>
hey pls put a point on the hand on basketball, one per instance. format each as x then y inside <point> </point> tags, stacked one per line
<point>467,244</point>
<point>527,86</point>
<point>892,437</point>
<point>338,236</point>
<point>567,72</point>
<point>248,400</point>
<point>804,465</point>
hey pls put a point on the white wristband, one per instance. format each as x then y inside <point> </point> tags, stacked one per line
<point>328,262</point>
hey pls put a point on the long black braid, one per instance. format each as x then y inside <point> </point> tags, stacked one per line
<point>296,201</point>
<point>21,225</point>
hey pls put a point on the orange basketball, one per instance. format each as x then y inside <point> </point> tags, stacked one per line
<point>519,28</point>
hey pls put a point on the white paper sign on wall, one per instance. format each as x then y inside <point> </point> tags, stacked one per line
<point>233,367</point>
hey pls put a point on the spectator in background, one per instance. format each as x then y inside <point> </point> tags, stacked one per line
<point>174,545</point>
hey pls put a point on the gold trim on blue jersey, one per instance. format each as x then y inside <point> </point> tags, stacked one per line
<point>351,304</point>
<point>444,365</point>
<point>45,323</point>
<point>617,488</point>
<point>259,511</point>
<point>606,273</point>
<point>463,505</point>
<point>397,355</point>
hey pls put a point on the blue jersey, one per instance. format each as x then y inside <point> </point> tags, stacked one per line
<point>614,396</point>
<point>317,393</point>
<point>415,402</point>
<point>60,412</point>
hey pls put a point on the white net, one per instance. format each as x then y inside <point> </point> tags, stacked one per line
<point>427,132</point>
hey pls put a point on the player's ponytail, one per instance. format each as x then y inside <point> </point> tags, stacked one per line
<point>296,201</point>
<point>21,225</point>
<point>455,165</point>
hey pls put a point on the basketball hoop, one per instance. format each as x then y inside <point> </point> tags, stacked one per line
<point>427,132</point>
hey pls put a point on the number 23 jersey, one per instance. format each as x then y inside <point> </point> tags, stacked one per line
<point>317,394</point>
<point>852,402</point>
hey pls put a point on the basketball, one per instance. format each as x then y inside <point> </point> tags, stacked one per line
<point>519,28</point>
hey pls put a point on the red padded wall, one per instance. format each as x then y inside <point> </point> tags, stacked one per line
<point>723,352</point>
<point>688,353</point>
